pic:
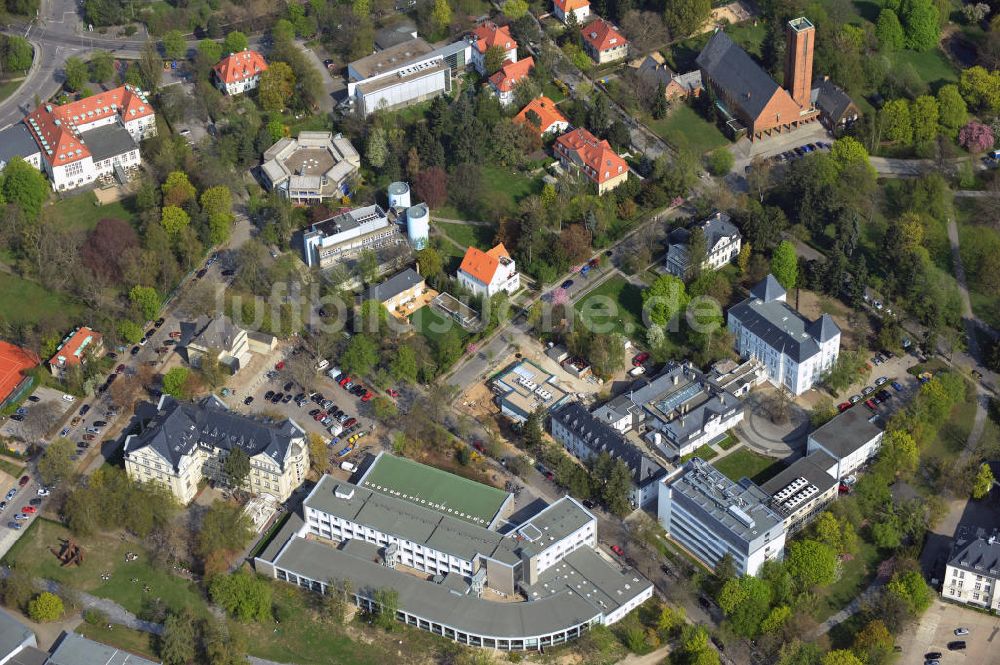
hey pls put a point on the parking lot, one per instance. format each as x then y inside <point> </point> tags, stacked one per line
<point>38,417</point>
<point>936,628</point>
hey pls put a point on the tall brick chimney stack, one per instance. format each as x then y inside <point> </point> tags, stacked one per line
<point>800,38</point>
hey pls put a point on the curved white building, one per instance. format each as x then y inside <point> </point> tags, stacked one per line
<point>418,225</point>
<point>399,195</point>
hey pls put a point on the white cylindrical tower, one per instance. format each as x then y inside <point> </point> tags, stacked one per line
<point>418,225</point>
<point>399,195</point>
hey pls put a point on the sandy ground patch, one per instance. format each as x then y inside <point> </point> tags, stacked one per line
<point>855,327</point>
<point>734,12</point>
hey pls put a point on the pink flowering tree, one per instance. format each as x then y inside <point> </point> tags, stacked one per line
<point>976,137</point>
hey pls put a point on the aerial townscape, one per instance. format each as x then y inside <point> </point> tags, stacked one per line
<point>468,332</point>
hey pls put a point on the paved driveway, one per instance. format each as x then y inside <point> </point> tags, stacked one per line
<point>936,628</point>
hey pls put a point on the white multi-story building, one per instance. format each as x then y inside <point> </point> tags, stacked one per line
<point>91,138</point>
<point>681,410</point>
<point>794,351</point>
<point>973,571</point>
<point>239,72</point>
<point>488,273</point>
<point>541,583</point>
<point>803,490</point>
<point>710,516</point>
<point>586,436</point>
<point>580,9</point>
<point>328,242</point>
<point>487,36</point>
<point>851,439</point>
<point>183,443</point>
<point>722,245</point>
<point>404,74</point>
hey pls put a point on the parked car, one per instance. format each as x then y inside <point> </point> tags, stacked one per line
<point>34,398</point>
<point>881,381</point>
<point>639,359</point>
<point>897,386</point>
<point>618,550</point>
<point>24,481</point>
<point>269,394</point>
<point>288,386</point>
<point>854,399</point>
<point>249,400</point>
<point>844,406</point>
<point>34,502</point>
<point>957,645</point>
<point>42,491</point>
<point>350,422</point>
<point>868,390</point>
<point>11,493</point>
<point>17,417</point>
<point>367,396</point>
<point>29,510</point>
<point>565,285</point>
<point>14,525</point>
<point>871,404</point>
<point>961,631</point>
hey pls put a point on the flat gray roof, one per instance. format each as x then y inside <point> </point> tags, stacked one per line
<point>812,468</point>
<point>13,633</point>
<point>108,141</point>
<point>381,83</point>
<point>561,606</point>
<point>391,58</point>
<point>407,520</point>
<point>554,523</point>
<point>78,650</point>
<point>847,432</point>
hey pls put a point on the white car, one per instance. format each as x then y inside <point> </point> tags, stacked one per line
<point>961,631</point>
<point>68,398</point>
<point>41,491</point>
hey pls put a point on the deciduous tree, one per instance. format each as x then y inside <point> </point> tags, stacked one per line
<point>431,185</point>
<point>45,607</point>
<point>146,299</point>
<point>785,265</point>
<point>174,46</point>
<point>664,299</point>
<point>76,73</point>
<point>56,464</point>
<point>175,381</point>
<point>243,595</point>
<point>235,42</point>
<point>889,31</point>
<point>983,482</point>
<point>276,87</point>
<point>952,111</point>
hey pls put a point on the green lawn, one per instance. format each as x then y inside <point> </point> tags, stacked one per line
<point>683,127</point>
<point>13,469</point>
<point>432,324</point>
<point>749,36</point>
<point>953,434</point>
<point>614,306</point>
<point>746,463</point>
<point>729,442</point>
<point>24,301</point>
<point>82,211</point>
<point>468,235</point>
<point>104,554</point>
<point>932,66</point>
<point>704,452</point>
<point>985,301</point>
<point>8,88</point>
<point>515,185</point>
<point>133,641</point>
<point>855,575</point>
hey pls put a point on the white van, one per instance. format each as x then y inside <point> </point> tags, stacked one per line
<point>336,428</point>
<point>333,373</point>
<point>347,466</point>
<point>637,371</point>
<point>322,364</point>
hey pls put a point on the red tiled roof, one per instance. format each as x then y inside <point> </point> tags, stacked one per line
<point>545,109</point>
<point>236,67</point>
<point>601,161</point>
<point>72,349</point>
<point>56,128</point>
<point>483,265</point>
<point>601,35</point>
<point>567,6</point>
<point>512,72</point>
<point>14,362</point>
<point>490,34</point>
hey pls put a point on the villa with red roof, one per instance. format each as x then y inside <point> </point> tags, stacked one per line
<point>550,120</point>
<point>94,137</point>
<point>579,150</point>
<point>488,273</point>
<point>562,9</point>
<point>14,378</point>
<point>239,72</point>
<point>75,349</point>
<point>603,43</point>
<point>512,73</point>
<point>487,36</point>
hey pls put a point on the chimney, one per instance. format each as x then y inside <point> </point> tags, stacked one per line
<point>800,37</point>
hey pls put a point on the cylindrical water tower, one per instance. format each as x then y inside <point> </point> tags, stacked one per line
<point>399,195</point>
<point>418,225</point>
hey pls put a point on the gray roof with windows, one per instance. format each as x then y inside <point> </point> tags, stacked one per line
<point>404,519</point>
<point>779,325</point>
<point>847,432</point>
<point>742,508</point>
<point>16,141</point>
<point>557,521</point>
<point>814,467</point>
<point>179,427</point>
<point>569,593</point>
<point>975,552</point>
<point>729,67</point>
<point>392,287</point>
<point>76,649</point>
<point>831,100</point>
<point>600,437</point>
<point>217,332</point>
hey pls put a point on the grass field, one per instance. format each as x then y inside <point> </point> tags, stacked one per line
<point>81,212</point>
<point>104,554</point>
<point>432,324</point>
<point>133,641</point>
<point>12,469</point>
<point>447,493</point>
<point>932,66</point>
<point>684,128</point>
<point>7,88</point>
<point>515,185</point>
<point>24,301</point>
<point>855,575</point>
<point>468,235</point>
<point>745,462</point>
<point>614,306</point>
<point>704,452</point>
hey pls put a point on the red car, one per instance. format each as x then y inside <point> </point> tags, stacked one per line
<point>350,422</point>
<point>280,366</point>
<point>478,445</point>
<point>844,406</point>
<point>843,488</point>
<point>640,359</point>
<point>618,550</point>
<point>320,416</point>
<point>393,392</point>
<point>29,510</point>
<point>367,396</point>
<point>24,480</point>
<point>176,334</point>
<point>344,381</point>
<point>871,404</point>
